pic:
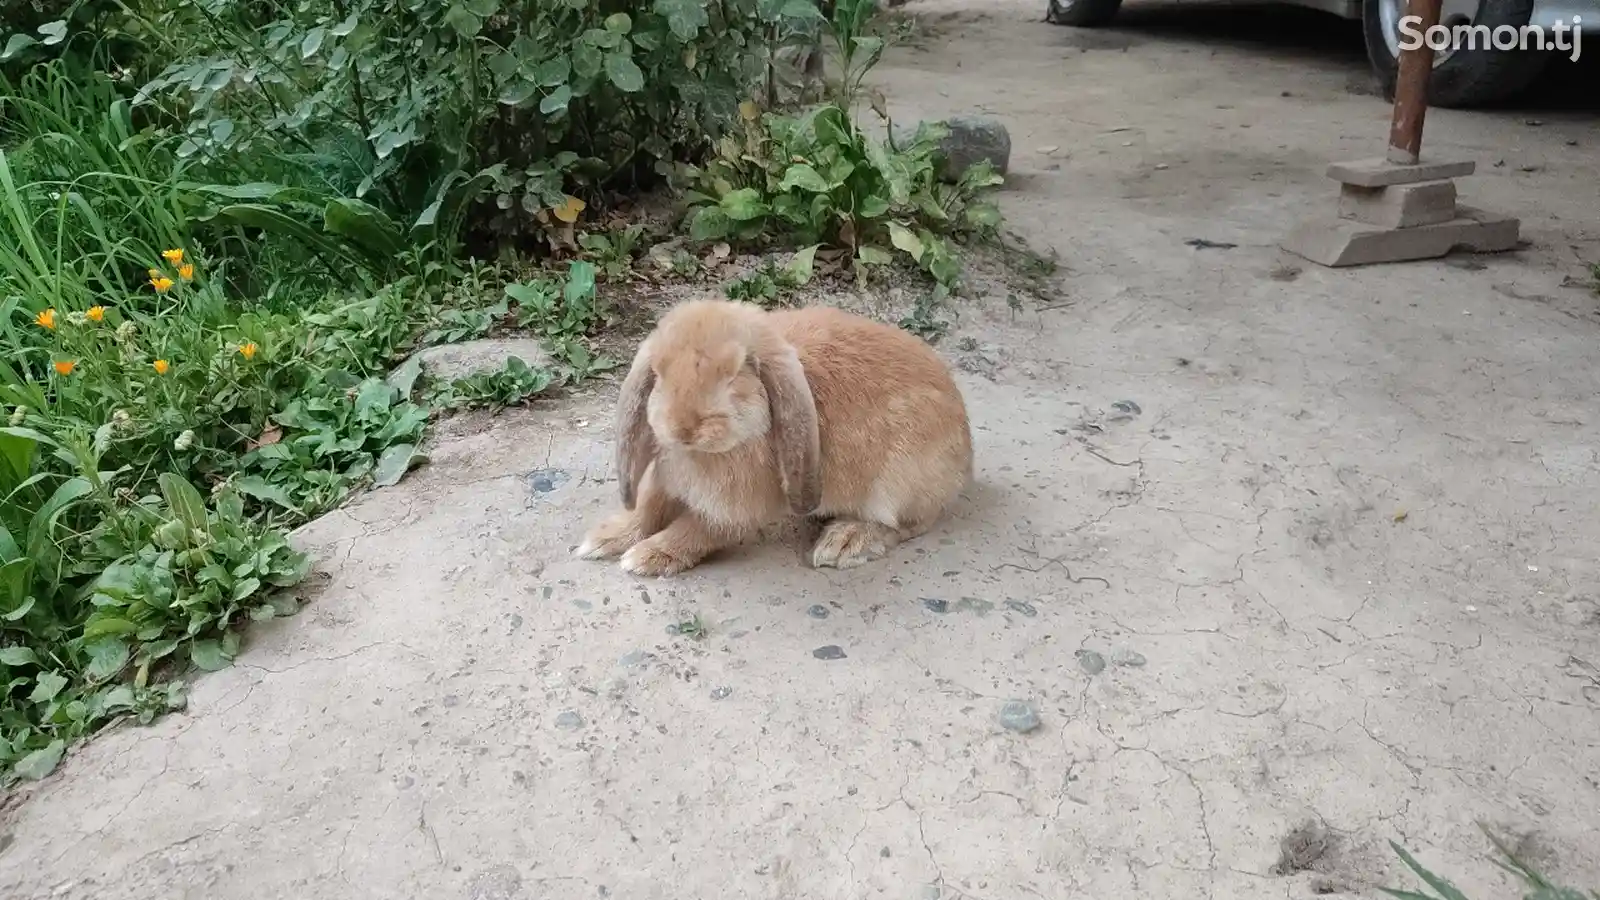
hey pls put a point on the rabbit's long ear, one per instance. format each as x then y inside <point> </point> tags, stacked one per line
<point>636,443</point>
<point>796,440</point>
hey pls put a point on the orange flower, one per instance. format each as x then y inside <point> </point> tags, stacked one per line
<point>161,283</point>
<point>65,366</point>
<point>186,271</point>
<point>172,256</point>
<point>160,366</point>
<point>96,313</point>
<point>247,349</point>
<point>46,319</point>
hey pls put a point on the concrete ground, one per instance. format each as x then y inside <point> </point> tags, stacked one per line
<point>1265,544</point>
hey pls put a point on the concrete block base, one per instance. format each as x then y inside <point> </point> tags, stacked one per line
<point>1345,242</point>
<point>1399,205</point>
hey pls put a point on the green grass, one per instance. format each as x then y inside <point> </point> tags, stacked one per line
<point>1536,885</point>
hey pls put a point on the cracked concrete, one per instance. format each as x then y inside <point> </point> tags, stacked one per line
<point>1350,530</point>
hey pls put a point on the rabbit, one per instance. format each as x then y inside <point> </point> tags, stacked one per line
<point>732,418</point>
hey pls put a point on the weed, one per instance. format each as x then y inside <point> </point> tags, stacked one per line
<point>1538,886</point>
<point>511,385</point>
<point>770,283</point>
<point>559,311</point>
<point>694,628</point>
<point>923,320</point>
<point>816,177</point>
<point>613,251</point>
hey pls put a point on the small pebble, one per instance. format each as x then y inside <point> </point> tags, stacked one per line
<point>569,721</point>
<point>817,611</point>
<point>974,605</point>
<point>1022,607</point>
<point>831,651</point>
<point>1091,662</point>
<point>1127,406</point>
<point>1127,657</point>
<point>1017,715</point>
<point>936,605</point>
<point>721,693</point>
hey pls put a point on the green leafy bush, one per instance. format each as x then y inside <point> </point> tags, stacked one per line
<point>428,105</point>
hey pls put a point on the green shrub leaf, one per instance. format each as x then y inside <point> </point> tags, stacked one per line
<point>804,177</point>
<point>686,17</point>
<point>744,205</point>
<point>556,101</point>
<point>40,763</point>
<point>209,655</point>
<point>624,72</point>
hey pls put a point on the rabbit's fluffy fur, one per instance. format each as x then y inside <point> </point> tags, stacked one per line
<point>732,418</point>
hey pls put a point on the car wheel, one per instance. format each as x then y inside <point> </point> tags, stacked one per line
<point>1463,76</point>
<point>1082,13</point>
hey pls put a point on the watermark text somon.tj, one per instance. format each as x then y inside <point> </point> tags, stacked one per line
<point>1560,36</point>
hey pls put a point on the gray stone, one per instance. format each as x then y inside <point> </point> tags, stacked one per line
<point>569,721</point>
<point>1091,662</point>
<point>1018,715</point>
<point>935,605</point>
<point>974,605</point>
<point>721,693</point>
<point>1124,656</point>
<point>831,651</point>
<point>817,611</point>
<point>971,139</point>
<point>447,362</point>
<point>1022,607</point>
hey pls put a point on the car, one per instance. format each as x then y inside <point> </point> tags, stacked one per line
<point>1468,73</point>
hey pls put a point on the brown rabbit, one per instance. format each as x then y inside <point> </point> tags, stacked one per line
<point>733,418</point>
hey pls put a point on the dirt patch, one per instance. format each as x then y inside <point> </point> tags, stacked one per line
<point>1304,848</point>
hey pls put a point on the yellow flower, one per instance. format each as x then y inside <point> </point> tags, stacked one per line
<point>247,349</point>
<point>96,313</point>
<point>46,319</point>
<point>65,366</point>
<point>186,271</point>
<point>154,274</point>
<point>160,366</point>
<point>161,283</point>
<point>172,256</point>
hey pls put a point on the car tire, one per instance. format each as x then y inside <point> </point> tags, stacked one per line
<point>1474,76</point>
<point>1082,13</point>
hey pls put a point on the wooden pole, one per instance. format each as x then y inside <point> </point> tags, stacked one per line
<point>1411,88</point>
